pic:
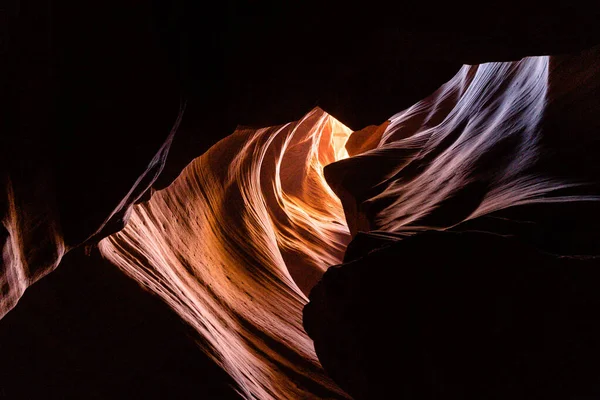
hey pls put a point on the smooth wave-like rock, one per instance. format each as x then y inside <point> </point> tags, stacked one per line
<point>497,136</point>
<point>235,243</point>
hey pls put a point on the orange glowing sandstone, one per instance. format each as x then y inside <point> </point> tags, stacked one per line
<point>235,244</point>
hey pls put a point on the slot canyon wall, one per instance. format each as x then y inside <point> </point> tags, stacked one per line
<point>120,172</point>
<point>234,244</point>
<point>252,224</point>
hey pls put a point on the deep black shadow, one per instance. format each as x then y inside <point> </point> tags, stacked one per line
<point>472,315</point>
<point>88,332</point>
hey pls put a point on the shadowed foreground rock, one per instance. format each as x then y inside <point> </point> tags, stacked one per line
<point>469,315</point>
<point>89,332</point>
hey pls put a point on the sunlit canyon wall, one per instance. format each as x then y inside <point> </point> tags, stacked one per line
<point>235,244</point>
<point>239,239</point>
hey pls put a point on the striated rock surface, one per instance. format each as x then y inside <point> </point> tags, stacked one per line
<point>496,136</point>
<point>235,243</point>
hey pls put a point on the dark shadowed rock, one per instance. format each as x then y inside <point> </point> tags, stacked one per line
<point>88,331</point>
<point>459,315</point>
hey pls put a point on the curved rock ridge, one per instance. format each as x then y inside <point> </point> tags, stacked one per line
<point>485,141</point>
<point>234,244</point>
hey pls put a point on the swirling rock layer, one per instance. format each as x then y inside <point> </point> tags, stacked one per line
<point>235,242</point>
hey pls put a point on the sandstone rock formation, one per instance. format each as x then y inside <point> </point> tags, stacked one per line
<point>235,243</point>
<point>94,99</point>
